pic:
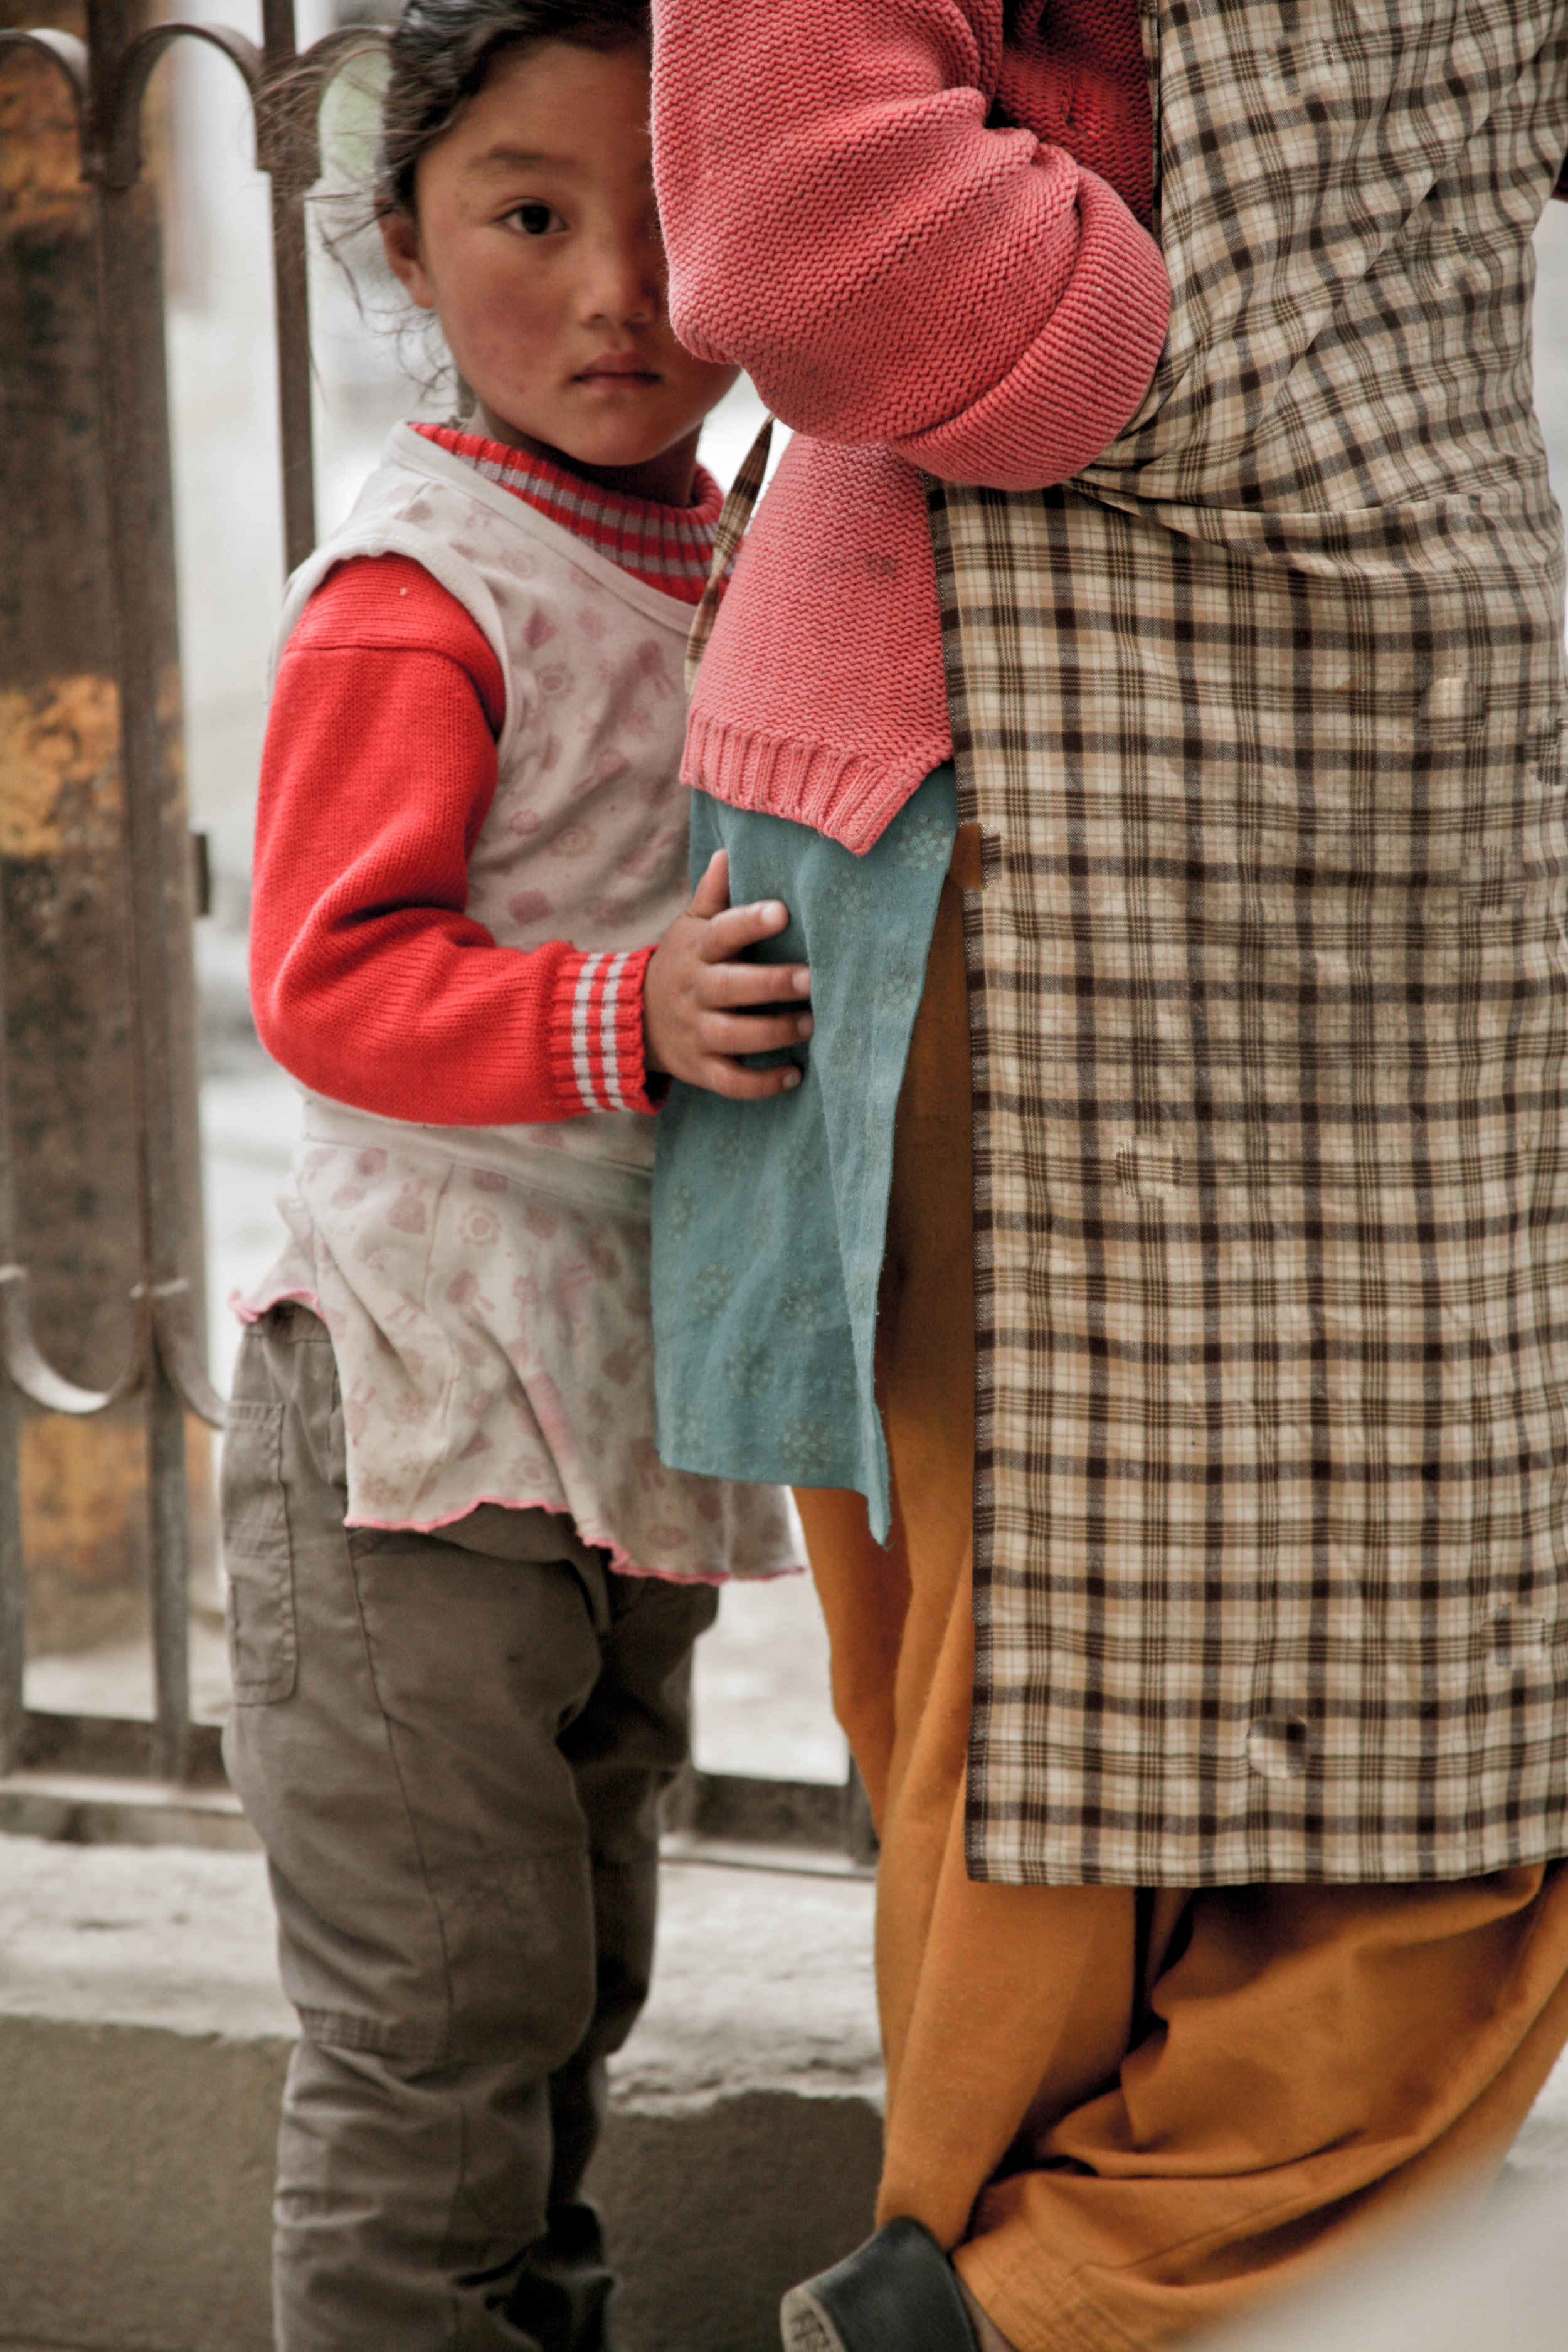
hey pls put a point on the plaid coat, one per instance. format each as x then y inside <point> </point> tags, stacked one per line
<point>1270,999</point>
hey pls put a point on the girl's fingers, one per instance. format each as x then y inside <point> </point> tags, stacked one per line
<point>723,984</point>
<point>749,1032</point>
<point>741,927</point>
<point>711,895</point>
<point>722,1077</point>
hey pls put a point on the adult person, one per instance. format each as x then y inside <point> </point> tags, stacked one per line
<point>1221,1909</point>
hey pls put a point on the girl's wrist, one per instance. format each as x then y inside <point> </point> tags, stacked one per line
<point>597,1046</point>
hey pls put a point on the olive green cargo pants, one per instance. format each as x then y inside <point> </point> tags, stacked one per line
<point>452,1746</point>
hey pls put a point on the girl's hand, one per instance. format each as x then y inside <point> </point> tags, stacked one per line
<point>694,1024</point>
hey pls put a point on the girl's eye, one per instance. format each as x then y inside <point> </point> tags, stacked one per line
<point>535,220</point>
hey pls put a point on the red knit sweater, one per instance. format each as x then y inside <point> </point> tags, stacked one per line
<point>368,982</point>
<point>912,284</point>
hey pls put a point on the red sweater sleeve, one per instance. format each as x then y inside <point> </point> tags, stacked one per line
<point>368,980</point>
<point>842,222</point>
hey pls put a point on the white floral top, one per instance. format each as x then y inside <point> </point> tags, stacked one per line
<point>487,1290</point>
<point>488,1301</point>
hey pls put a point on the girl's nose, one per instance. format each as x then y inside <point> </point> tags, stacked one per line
<point>625,285</point>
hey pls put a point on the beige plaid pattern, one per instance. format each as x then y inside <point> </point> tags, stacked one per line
<point>734,516</point>
<point>1269,988</point>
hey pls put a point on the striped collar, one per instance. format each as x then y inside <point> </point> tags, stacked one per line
<point>667,548</point>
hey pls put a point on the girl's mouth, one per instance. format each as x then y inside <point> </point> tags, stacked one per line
<point>617,369</point>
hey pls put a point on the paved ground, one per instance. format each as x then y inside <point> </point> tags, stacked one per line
<point>764,1977</point>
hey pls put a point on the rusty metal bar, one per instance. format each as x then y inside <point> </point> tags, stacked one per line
<point>288,149</point>
<point>13,1592</point>
<point>13,1561</point>
<point>291,296</point>
<point>69,57</point>
<point>13,1583</point>
<point>130,354</point>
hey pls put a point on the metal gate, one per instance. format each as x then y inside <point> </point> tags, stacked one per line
<point>106,76</point>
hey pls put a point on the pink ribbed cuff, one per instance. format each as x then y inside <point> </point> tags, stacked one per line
<point>596,1037</point>
<point>1082,381</point>
<point>846,794</point>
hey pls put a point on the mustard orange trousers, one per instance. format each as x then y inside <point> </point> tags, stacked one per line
<point>1132,2112</point>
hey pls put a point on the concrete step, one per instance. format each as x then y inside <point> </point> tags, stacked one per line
<point>143,2044</point>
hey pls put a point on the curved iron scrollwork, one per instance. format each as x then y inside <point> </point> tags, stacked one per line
<point>112,133</point>
<point>287,143</point>
<point>122,151</point>
<point>62,49</point>
<point>165,1319</point>
<point>174,1321</point>
<point>36,1378</point>
<point>288,105</point>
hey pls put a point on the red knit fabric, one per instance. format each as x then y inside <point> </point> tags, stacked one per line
<point>668,548</point>
<point>1074,73</point>
<point>914,285</point>
<point>368,981</point>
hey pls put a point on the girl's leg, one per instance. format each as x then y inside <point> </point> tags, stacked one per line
<point>395,1741</point>
<point>404,2191</point>
<point>625,1750</point>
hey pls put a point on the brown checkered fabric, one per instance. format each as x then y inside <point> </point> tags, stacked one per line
<point>1269,988</point>
<point>734,516</point>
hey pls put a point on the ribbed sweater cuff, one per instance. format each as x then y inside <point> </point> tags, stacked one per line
<point>597,1032</point>
<point>1081,382</point>
<point>849,796</point>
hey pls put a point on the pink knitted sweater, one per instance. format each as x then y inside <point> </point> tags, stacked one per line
<point>912,284</point>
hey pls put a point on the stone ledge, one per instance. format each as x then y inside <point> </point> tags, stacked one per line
<point>88,1809</point>
<point>143,2044</point>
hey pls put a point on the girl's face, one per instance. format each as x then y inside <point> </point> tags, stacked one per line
<point>536,243</point>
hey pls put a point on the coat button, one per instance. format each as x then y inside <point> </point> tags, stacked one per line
<point>1277,1746</point>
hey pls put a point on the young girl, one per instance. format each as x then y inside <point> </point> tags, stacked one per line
<point>464,1591</point>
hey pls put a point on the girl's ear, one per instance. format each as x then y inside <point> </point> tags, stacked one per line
<point>400,243</point>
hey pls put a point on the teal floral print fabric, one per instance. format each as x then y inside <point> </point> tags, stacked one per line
<point>769,1218</point>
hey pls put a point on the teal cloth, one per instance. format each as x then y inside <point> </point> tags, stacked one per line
<point>769,1218</point>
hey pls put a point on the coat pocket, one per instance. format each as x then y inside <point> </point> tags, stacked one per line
<point>258,1563</point>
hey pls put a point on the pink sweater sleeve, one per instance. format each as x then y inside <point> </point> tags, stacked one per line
<point>841,223</point>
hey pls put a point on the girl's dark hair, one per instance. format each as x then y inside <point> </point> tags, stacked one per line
<point>442,52</point>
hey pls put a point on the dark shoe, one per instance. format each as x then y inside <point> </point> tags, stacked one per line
<point>561,2295</point>
<point>895,2293</point>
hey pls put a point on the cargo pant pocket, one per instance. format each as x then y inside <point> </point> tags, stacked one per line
<point>263,1645</point>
